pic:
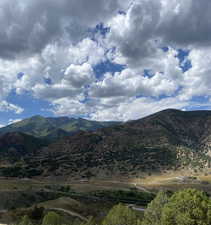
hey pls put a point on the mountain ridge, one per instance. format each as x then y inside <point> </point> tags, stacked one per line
<point>53,127</point>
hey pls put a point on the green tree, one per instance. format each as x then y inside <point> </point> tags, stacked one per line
<point>52,219</point>
<point>187,207</point>
<point>25,221</point>
<point>152,215</point>
<point>121,215</point>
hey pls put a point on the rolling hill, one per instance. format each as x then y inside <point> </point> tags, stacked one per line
<point>167,140</point>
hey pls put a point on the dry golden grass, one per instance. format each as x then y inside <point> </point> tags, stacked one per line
<point>94,185</point>
<point>174,181</point>
<point>205,178</point>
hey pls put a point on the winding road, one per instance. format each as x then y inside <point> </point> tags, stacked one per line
<point>70,213</point>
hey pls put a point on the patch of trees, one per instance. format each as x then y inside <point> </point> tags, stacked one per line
<point>123,196</point>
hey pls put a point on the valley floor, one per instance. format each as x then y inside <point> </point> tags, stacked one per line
<point>55,194</point>
<point>156,181</point>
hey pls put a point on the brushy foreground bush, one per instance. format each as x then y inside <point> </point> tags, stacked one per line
<point>186,207</point>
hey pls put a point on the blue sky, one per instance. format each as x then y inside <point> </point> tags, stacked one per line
<point>107,60</point>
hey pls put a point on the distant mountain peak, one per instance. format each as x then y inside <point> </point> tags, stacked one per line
<point>171,110</point>
<point>37,117</point>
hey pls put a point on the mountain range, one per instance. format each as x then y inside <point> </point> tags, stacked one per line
<point>54,128</point>
<point>167,140</point>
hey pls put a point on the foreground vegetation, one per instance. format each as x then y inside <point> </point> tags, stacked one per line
<point>186,207</point>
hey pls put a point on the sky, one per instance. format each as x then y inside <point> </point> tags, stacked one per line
<point>103,59</point>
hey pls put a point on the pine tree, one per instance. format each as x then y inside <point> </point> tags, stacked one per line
<point>187,207</point>
<point>152,215</point>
